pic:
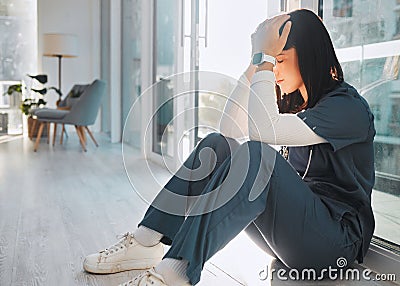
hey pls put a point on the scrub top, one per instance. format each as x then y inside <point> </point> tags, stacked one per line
<point>341,171</point>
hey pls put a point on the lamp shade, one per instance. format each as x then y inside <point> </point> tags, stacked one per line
<point>65,45</point>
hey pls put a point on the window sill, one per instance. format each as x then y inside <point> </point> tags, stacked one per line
<point>382,261</point>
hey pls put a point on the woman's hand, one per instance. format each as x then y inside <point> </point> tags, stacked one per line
<point>266,38</point>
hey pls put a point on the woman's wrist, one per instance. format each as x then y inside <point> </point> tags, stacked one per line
<point>265,66</point>
<point>250,71</point>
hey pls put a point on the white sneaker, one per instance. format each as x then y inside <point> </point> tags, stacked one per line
<point>148,278</point>
<point>127,254</point>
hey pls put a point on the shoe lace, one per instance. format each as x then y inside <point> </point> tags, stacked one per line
<point>124,240</point>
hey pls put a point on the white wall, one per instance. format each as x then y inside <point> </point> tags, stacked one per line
<point>79,17</point>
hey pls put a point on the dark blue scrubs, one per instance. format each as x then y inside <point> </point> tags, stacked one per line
<point>342,171</point>
<point>306,223</point>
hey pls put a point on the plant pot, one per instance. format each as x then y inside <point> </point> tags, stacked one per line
<point>3,123</point>
<point>15,100</point>
<point>14,114</point>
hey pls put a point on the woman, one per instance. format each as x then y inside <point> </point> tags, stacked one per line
<point>307,211</point>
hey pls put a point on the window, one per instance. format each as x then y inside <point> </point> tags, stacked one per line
<point>342,8</point>
<point>376,110</point>
<point>131,72</point>
<point>394,124</point>
<point>165,17</point>
<point>18,52</point>
<point>365,35</point>
<point>397,33</point>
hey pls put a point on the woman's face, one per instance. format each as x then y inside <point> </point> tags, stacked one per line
<point>287,72</point>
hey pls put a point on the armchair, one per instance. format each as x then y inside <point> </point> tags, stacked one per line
<point>82,114</point>
<point>64,104</point>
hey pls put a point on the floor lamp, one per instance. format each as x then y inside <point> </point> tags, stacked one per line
<point>60,46</point>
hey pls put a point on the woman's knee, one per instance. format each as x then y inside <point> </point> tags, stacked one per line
<point>214,138</point>
<point>219,143</point>
<point>259,150</point>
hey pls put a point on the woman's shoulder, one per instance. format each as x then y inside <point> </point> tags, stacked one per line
<point>342,117</point>
<point>345,96</point>
<point>343,104</point>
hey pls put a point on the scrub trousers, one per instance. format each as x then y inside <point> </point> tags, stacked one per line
<point>225,187</point>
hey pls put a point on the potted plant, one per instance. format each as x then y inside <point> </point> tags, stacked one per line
<point>14,116</point>
<point>15,93</point>
<point>42,78</point>
<point>38,101</point>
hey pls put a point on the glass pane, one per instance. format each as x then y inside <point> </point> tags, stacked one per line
<point>373,68</point>
<point>164,58</point>
<point>18,34</point>
<point>385,103</point>
<point>211,104</point>
<point>18,56</point>
<point>131,76</point>
<point>228,51</point>
<point>352,71</point>
<point>360,22</point>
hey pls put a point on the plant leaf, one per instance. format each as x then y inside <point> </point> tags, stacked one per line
<point>42,78</point>
<point>41,91</point>
<point>56,90</point>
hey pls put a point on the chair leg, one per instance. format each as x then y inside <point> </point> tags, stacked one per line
<point>54,133</point>
<point>66,133</point>
<point>38,136</point>
<point>83,134</point>
<point>91,136</point>
<point>78,131</point>
<point>33,128</point>
<point>48,132</point>
<point>62,134</point>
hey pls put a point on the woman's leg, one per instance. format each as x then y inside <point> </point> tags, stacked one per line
<point>142,249</point>
<point>258,238</point>
<point>300,229</point>
<point>167,212</point>
<point>306,237</point>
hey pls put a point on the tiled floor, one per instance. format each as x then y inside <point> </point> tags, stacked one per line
<point>60,204</point>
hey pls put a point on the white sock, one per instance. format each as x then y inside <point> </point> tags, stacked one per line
<point>146,236</point>
<point>173,271</point>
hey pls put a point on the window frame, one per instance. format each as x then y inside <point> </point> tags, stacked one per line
<point>378,258</point>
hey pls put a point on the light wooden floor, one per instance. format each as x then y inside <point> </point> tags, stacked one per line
<point>60,204</point>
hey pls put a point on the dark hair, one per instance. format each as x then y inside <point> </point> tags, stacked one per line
<point>319,67</point>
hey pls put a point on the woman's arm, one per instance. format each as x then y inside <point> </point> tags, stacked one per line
<point>265,122</point>
<point>257,116</point>
<point>233,122</point>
